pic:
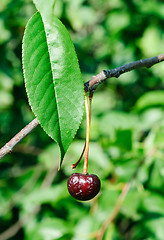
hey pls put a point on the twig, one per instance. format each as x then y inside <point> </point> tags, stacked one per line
<point>8,147</point>
<point>115,211</point>
<point>121,198</point>
<point>23,190</point>
<point>13,230</point>
<point>27,149</point>
<point>49,178</point>
<point>116,72</point>
<point>88,86</point>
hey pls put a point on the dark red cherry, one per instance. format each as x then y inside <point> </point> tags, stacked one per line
<point>83,186</point>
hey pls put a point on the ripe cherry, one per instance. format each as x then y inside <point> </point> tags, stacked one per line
<point>83,186</point>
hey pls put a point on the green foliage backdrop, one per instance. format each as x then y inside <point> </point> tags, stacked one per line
<point>127,123</point>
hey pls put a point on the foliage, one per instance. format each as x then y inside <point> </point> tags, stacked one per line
<point>127,124</point>
<point>53,79</point>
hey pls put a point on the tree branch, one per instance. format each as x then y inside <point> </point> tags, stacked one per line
<point>8,147</point>
<point>116,72</point>
<point>88,86</point>
<point>115,211</point>
<point>122,196</point>
<point>13,230</point>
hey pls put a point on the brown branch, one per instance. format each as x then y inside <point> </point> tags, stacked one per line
<point>23,190</point>
<point>116,72</point>
<point>115,211</point>
<point>8,147</point>
<point>88,86</point>
<point>122,196</point>
<point>27,149</point>
<point>13,230</point>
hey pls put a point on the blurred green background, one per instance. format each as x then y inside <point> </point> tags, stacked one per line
<point>127,126</point>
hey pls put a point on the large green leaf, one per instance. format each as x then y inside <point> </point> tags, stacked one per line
<point>53,79</point>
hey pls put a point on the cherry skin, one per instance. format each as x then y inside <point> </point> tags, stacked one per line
<point>83,186</point>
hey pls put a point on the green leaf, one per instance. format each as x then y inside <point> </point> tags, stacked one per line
<point>47,195</point>
<point>46,9</point>
<point>150,99</point>
<point>117,120</point>
<point>53,79</point>
<point>50,229</point>
<point>153,218</point>
<point>156,179</point>
<point>124,139</point>
<point>131,204</point>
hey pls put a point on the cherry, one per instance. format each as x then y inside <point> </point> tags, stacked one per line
<point>83,186</point>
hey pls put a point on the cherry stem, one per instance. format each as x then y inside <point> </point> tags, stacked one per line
<point>90,109</point>
<point>75,164</point>
<point>90,105</point>
<point>87,135</point>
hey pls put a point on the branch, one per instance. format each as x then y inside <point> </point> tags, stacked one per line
<point>22,191</point>
<point>13,230</point>
<point>115,211</point>
<point>116,72</point>
<point>16,227</point>
<point>88,86</point>
<point>122,196</point>
<point>8,147</point>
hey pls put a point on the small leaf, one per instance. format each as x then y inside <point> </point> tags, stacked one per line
<point>50,229</point>
<point>150,99</point>
<point>117,120</point>
<point>124,139</point>
<point>53,79</point>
